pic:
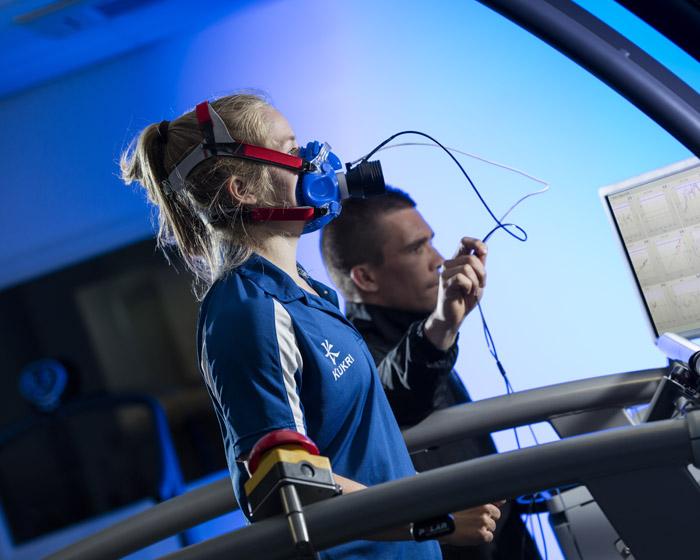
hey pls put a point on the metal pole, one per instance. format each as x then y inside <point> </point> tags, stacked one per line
<point>613,59</point>
<point>536,405</point>
<point>154,524</point>
<point>465,485</point>
<point>477,418</point>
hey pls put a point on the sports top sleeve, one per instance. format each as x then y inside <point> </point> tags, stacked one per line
<point>251,362</point>
<point>411,371</point>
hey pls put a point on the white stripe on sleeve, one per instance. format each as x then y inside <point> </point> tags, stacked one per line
<point>208,378</point>
<point>290,360</point>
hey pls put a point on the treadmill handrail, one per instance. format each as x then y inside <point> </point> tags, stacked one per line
<point>535,405</point>
<point>493,414</point>
<point>463,485</point>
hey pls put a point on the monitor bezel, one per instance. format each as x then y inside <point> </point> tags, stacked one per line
<point>633,182</point>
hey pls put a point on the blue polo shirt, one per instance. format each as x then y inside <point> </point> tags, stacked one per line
<point>275,356</point>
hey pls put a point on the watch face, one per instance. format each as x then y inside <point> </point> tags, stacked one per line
<point>42,383</point>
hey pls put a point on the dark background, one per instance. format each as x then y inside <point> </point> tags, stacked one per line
<point>123,323</point>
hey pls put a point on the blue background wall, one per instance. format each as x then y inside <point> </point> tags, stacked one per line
<point>560,306</point>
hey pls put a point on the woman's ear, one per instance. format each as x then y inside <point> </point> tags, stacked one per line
<point>363,277</point>
<point>237,190</point>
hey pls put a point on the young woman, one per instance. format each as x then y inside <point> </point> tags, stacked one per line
<point>275,350</point>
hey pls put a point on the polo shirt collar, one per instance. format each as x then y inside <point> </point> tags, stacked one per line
<point>278,284</point>
<point>270,278</point>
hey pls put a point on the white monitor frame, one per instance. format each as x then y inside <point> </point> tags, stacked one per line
<point>656,220</point>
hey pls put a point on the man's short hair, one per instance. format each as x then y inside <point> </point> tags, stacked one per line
<point>355,238</point>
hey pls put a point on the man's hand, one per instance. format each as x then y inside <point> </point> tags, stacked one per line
<point>461,286</point>
<point>474,526</point>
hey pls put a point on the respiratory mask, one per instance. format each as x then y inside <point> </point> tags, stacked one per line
<point>321,185</point>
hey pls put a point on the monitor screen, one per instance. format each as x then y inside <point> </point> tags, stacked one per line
<point>656,218</point>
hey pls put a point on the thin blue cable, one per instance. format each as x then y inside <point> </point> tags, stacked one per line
<point>487,333</point>
<point>464,172</point>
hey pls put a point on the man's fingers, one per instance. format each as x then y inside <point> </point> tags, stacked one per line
<point>494,512</point>
<point>468,266</point>
<point>475,525</point>
<point>467,283</point>
<point>464,260</point>
<point>471,246</point>
<point>491,515</point>
<point>488,519</point>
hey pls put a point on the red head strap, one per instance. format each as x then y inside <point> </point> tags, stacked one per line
<point>218,142</point>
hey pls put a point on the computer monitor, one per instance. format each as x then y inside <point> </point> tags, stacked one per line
<point>656,219</point>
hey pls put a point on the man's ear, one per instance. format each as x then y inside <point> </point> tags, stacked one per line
<point>364,278</point>
<point>237,190</point>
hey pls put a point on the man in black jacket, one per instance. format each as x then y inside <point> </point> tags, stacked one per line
<point>408,303</point>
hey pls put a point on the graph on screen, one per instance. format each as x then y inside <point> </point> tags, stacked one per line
<point>656,217</point>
